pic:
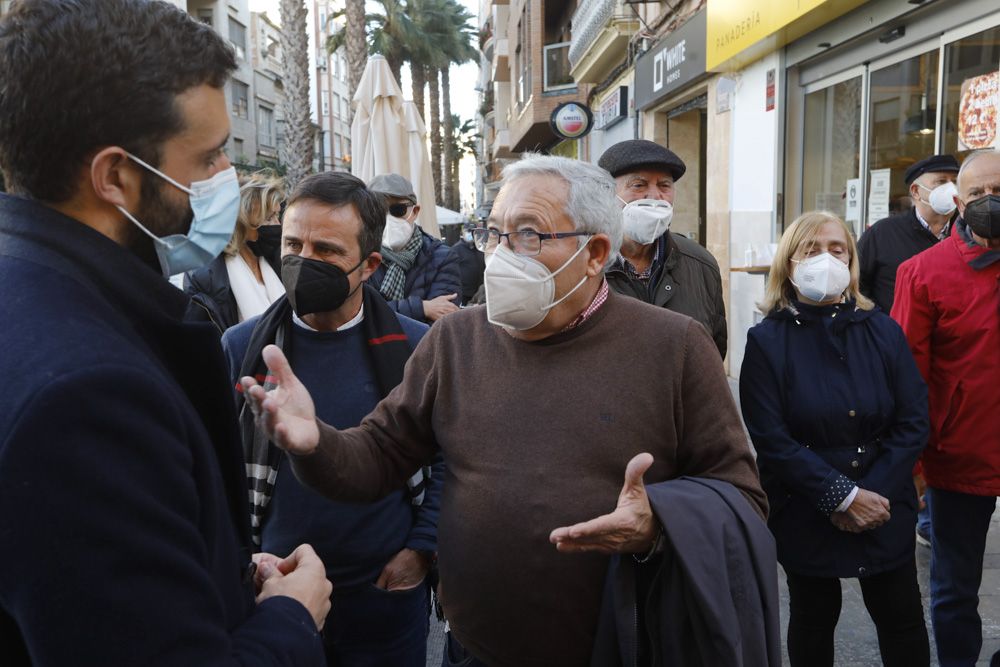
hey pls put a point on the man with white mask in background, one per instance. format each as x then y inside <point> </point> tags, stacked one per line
<point>552,362</point>
<point>655,265</point>
<point>419,275</point>
<point>893,240</point>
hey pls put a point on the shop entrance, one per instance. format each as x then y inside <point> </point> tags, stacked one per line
<point>685,134</point>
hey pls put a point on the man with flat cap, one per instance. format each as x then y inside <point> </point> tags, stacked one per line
<point>419,276</point>
<point>893,240</point>
<point>656,266</point>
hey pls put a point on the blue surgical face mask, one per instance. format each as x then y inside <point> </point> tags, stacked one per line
<point>215,204</point>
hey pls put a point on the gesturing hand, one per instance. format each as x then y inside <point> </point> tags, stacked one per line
<point>631,528</point>
<point>286,413</point>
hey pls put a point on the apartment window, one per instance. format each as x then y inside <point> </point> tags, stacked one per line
<point>523,58</point>
<point>205,15</point>
<point>265,126</point>
<point>556,73</point>
<point>337,146</point>
<point>241,93</point>
<point>238,37</point>
<point>239,154</point>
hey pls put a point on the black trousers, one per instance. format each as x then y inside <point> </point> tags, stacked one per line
<point>893,601</point>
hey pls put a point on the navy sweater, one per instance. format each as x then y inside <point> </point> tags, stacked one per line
<point>355,541</point>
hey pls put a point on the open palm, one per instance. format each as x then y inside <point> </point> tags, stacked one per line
<point>286,413</point>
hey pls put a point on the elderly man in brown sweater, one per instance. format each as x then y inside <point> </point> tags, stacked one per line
<point>540,401</point>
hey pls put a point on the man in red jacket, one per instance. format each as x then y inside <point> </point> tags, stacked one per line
<point>947,302</point>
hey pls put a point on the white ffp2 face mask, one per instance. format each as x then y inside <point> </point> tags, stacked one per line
<point>397,232</point>
<point>821,277</point>
<point>520,290</point>
<point>941,198</point>
<point>645,220</point>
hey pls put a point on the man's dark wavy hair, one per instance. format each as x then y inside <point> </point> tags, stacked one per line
<point>79,75</point>
<point>339,189</point>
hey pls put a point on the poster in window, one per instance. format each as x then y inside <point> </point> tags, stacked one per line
<point>977,112</point>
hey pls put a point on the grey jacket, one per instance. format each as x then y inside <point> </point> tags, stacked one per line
<point>687,282</point>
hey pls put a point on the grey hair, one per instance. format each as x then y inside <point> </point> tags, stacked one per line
<point>972,157</point>
<point>592,204</point>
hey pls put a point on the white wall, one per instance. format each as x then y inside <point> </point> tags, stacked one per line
<point>754,155</point>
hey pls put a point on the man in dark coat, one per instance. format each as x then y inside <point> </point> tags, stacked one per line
<point>664,269</point>
<point>893,240</point>
<point>419,275</point>
<point>472,263</point>
<point>123,503</point>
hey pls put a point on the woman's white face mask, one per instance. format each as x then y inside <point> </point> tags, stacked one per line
<point>821,277</point>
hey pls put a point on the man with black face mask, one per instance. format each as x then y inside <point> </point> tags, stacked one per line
<point>349,348</point>
<point>947,303</point>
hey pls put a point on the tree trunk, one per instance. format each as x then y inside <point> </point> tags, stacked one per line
<point>298,146</point>
<point>456,186</point>
<point>395,65</point>
<point>448,193</point>
<point>435,124</point>
<point>418,77</point>
<point>357,48</point>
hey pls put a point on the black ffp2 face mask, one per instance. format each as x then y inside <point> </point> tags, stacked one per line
<point>268,243</point>
<point>983,216</point>
<point>313,286</point>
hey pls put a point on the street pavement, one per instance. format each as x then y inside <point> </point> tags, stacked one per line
<point>855,643</point>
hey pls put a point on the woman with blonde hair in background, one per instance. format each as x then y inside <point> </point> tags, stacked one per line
<point>246,278</point>
<point>837,412</point>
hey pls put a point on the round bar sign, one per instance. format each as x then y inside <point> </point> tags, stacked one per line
<point>571,120</point>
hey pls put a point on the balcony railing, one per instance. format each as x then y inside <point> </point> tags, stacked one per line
<point>589,20</point>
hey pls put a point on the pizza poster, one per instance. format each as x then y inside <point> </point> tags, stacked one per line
<point>977,112</point>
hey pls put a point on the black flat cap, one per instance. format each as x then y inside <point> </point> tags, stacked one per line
<point>634,154</point>
<point>932,164</point>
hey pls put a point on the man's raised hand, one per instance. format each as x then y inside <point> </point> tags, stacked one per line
<point>286,413</point>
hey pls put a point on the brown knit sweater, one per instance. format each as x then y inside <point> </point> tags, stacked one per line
<point>537,436</point>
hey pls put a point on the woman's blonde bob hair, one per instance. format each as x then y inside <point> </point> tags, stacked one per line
<point>799,236</point>
<point>261,195</point>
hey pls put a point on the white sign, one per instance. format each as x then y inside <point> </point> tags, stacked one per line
<point>668,60</point>
<point>878,195</point>
<point>853,195</point>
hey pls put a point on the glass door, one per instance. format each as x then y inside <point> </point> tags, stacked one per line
<point>831,147</point>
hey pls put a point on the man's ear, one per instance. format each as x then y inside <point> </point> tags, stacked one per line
<point>600,248</point>
<point>115,179</point>
<point>371,264</point>
<point>416,212</point>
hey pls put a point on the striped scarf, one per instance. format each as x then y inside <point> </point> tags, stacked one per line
<point>398,263</point>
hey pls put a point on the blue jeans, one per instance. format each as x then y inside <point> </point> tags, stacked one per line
<point>371,627</point>
<point>924,517</point>
<point>958,542</point>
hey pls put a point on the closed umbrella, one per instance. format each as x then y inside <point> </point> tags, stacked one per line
<point>420,173</point>
<point>378,134</point>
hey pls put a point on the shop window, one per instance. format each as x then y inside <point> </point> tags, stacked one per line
<point>557,75</point>
<point>902,114</point>
<point>831,145</point>
<point>265,126</point>
<point>970,93</point>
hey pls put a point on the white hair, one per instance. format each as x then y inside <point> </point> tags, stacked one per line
<point>972,157</point>
<point>591,205</point>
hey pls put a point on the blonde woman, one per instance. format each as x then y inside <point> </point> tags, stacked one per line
<point>246,278</point>
<point>838,415</point>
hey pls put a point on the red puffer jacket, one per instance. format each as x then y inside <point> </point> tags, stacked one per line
<point>951,315</point>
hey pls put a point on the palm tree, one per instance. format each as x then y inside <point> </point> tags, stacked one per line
<point>458,50</point>
<point>461,142</point>
<point>357,51</point>
<point>299,141</point>
<point>428,18</point>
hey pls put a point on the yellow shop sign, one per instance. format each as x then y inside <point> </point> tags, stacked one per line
<point>740,32</point>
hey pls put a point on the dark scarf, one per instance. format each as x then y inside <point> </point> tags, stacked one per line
<point>389,347</point>
<point>983,260</point>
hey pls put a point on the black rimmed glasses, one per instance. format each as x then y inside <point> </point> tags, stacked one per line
<point>527,242</point>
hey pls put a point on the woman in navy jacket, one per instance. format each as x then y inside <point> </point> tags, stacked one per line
<point>838,415</point>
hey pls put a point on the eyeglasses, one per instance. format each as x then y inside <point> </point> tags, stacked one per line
<point>399,210</point>
<point>527,243</point>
